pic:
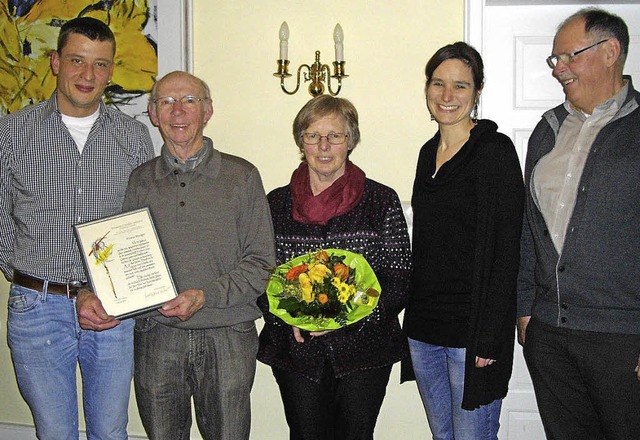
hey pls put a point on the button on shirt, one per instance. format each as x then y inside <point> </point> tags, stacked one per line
<point>47,185</point>
<point>557,175</point>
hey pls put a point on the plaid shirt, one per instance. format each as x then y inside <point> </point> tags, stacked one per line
<point>47,186</point>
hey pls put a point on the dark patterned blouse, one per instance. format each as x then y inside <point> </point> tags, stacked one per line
<point>376,229</point>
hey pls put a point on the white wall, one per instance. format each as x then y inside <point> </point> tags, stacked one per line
<point>386,45</point>
<point>235,49</point>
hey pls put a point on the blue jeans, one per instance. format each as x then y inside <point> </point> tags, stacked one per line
<point>216,367</point>
<point>440,375</point>
<point>46,345</point>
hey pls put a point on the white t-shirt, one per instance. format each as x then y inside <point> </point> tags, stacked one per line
<point>79,128</point>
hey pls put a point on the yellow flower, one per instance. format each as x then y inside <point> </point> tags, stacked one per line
<point>336,282</point>
<point>318,272</point>
<point>306,287</point>
<point>102,255</point>
<point>345,292</point>
<point>343,297</point>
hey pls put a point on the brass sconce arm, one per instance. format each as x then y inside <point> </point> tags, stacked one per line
<point>317,73</point>
<point>283,72</point>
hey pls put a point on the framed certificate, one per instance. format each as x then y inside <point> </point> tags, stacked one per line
<point>125,263</point>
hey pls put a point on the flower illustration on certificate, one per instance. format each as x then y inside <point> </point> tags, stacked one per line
<point>101,251</point>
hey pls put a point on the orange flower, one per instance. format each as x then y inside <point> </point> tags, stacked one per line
<point>322,256</point>
<point>323,298</point>
<point>295,272</point>
<point>341,271</point>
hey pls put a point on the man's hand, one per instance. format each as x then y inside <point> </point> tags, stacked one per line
<point>184,305</point>
<point>91,314</point>
<point>523,322</point>
<point>638,368</point>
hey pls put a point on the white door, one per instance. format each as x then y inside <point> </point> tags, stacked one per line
<point>515,37</point>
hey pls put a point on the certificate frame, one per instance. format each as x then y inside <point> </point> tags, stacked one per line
<point>125,264</point>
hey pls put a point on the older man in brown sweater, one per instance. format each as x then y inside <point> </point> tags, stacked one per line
<point>213,220</point>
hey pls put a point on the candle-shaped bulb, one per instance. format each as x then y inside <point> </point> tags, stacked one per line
<point>338,38</point>
<point>284,40</point>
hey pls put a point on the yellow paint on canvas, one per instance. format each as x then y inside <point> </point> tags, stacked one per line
<point>26,43</point>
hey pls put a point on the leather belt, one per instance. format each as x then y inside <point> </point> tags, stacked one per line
<point>70,289</point>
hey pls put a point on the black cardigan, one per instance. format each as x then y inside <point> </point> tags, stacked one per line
<point>499,209</point>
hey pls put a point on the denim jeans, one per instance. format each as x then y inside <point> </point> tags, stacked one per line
<point>216,367</point>
<point>440,375</point>
<point>46,345</point>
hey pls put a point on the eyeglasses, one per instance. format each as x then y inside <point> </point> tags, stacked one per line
<point>567,58</point>
<point>315,138</point>
<point>188,102</point>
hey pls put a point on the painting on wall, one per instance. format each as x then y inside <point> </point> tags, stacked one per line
<point>28,34</point>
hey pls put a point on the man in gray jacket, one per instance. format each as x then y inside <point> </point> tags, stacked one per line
<point>213,220</point>
<point>579,282</point>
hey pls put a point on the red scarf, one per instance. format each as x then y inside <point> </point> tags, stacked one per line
<point>341,197</point>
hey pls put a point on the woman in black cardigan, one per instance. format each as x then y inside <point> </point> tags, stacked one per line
<point>467,206</point>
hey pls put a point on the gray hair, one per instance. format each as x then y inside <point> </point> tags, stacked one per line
<point>603,24</point>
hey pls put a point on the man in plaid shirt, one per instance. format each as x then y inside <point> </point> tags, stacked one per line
<point>62,162</point>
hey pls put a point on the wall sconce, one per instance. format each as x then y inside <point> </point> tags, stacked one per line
<point>317,73</point>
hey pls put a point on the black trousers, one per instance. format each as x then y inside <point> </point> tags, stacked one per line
<point>343,408</point>
<point>585,383</point>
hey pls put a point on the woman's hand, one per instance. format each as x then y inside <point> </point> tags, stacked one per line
<point>482,362</point>
<point>298,335</point>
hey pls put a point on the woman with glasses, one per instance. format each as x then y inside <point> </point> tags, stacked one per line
<point>332,383</point>
<point>467,215</point>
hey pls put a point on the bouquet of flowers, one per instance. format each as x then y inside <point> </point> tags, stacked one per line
<point>323,290</point>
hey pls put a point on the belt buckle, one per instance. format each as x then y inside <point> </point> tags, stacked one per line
<point>74,285</point>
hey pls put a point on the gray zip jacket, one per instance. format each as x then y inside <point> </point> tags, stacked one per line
<point>594,285</point>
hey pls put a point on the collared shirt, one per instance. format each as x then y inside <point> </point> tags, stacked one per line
<point>189,164</point>
<point>557,175</point>
<point>47,185</point>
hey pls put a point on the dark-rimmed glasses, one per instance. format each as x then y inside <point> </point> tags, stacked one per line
<point>567,58</point>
